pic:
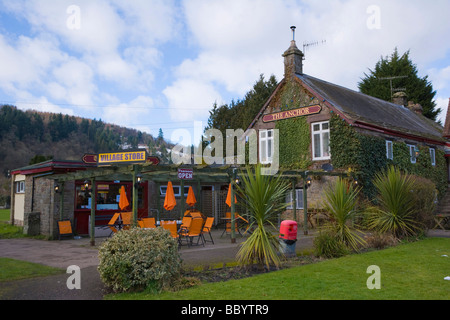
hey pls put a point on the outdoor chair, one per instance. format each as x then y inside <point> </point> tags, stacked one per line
<point>64,229</point>
<point>112,224</point>
<point>185,222</point>
<point>194,230</point>
<point>126,219</point>
<point>196,214</point>
<point>207,228</point>
<point>172,227</point>
<point>148,223</point>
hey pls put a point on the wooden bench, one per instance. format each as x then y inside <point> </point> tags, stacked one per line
<point>441,220</point>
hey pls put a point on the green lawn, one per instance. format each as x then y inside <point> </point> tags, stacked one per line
<point>408,271</point>
<point>4,215</point>
<point>11,269</point>
<point>8,231</point>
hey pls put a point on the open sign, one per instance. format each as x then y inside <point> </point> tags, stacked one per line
<point>185,174</point>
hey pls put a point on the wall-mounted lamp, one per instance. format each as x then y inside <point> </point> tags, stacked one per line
<point>138,180</point>
<point>57,188</point>
<point>308,182</point>
<point>355,182</point>
<point>416,151</point>
<point>86,189</point>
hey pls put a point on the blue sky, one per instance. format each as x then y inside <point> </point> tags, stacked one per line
<point>149,64</point>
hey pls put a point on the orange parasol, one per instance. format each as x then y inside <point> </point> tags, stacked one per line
<point>169,201</point>
<point>228,201</point>
<point>123,200</point>
<point>191,197</point>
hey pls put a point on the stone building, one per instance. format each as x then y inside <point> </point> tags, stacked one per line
<point>324,127</point>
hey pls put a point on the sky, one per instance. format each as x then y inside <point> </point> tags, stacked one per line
<point>151,64</point>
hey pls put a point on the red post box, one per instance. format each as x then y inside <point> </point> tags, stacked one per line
<point>288,230</point>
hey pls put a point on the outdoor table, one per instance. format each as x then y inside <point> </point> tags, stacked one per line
<point>228,220</point>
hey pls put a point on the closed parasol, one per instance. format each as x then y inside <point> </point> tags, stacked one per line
<point>228,201</point>
<point>169,201</point>
<point>191,201</point>
<point>123,200</point>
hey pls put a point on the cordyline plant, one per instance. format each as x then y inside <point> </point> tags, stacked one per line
<point>340,201</point>
<point>395,211</point>
<point>264,197</point>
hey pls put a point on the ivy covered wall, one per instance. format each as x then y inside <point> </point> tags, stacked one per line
<point>367,155</point>
<point>295,137</point>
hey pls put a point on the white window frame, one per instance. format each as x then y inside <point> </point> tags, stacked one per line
<point>433,156</point>
<point>412,153</point>
<point>20,186</point>
<point>176,190</point>
<point>321,132</point>
<point>266,139</point>
<point>389,147</point>
<point>299,199</point>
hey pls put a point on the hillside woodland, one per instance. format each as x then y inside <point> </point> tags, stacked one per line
<point>28,137</point>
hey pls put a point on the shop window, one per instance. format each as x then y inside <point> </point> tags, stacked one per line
<point>20,187</point>
<point>412,153</point>
<point>266,146</point>
<point>389,150</point>
<point>108,196</point>
<point>433,156</point>
<point>83,198</point>
<point>321,140</point>
<point>299,199</point>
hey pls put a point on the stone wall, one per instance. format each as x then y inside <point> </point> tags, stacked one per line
<point>46,201</point>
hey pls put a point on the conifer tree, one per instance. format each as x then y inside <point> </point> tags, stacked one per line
<point>419,90</point>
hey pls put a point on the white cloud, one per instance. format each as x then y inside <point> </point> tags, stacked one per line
<point>132,112</point>
<point>191,99</point>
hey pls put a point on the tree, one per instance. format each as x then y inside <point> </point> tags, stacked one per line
<point>264,196</point>
<point>419,90</point>
<point>239,114</point>
<point>160,136</point>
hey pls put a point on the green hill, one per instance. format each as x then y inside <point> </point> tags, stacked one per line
<point>28,137</point>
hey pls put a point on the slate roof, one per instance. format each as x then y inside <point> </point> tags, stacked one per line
<point>361,108</point>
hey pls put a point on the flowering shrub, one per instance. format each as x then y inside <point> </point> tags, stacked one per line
<point>136,259</point>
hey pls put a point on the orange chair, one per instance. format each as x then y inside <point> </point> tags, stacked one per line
<point>228,224</point>
<point>172,227</point>
<point>64,228</point>
<point>194,230</point>
<point>196,214</point>
<point>112,224</point>
<point>207,228</point>
<point>149,223</point>
<point>126,219</point>
<point>185,222</point>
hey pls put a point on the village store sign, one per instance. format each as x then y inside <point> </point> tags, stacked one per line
<point>305,111</point>
<point>127,157</point>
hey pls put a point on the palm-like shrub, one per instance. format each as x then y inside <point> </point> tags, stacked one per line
<point>395,210</point>
<point>340,200</point>
<point>264,197</point>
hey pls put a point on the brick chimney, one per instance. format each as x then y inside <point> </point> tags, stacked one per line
<point>400,98</point>
<point>293,59</point>
<point>415,107</point>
